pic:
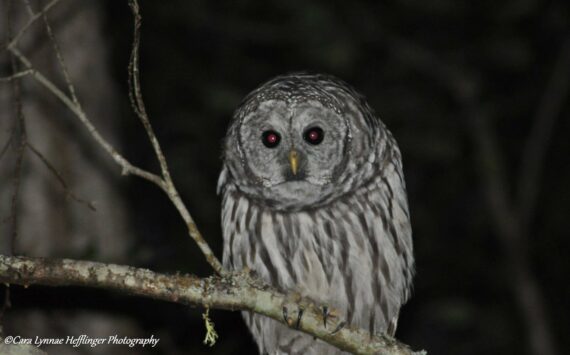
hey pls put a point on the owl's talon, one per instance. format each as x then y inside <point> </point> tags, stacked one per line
<point>299,316</point>
<point>325,315</point>
<point>338,327</point>
<point>285,315</point>
<point>290,322</point>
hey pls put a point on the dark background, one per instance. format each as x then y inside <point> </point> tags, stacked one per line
<point>461,84</point>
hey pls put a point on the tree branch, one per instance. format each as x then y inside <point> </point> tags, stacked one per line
<point>549,108</point>
<point>30,22</point>
<point>15,76</point>
<point>235,292</point>
<point>164,181</point>
<point>137,102</point>
<point>52,169</point>
<point>127,167</point>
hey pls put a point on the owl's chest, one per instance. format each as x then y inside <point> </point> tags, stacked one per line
<point>309,251</point>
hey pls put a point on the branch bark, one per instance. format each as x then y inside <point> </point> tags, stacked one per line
<point>234,292</point>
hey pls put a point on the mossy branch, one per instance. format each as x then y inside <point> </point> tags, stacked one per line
<point>236,291</point>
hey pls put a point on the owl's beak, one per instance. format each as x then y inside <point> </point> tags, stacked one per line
<point>294,161</point>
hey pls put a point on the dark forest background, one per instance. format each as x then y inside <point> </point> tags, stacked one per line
<point>461,84</point>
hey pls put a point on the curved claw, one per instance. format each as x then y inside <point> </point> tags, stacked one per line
<point>338,327</point>
<point>289,321</point>
<point>285,315</point>
<point>299,316</point>
<point>325,315</point>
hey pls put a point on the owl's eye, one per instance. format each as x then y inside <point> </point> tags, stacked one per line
<point>314,135</point>
<point>270,139</point>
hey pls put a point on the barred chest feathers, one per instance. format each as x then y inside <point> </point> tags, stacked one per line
<point>314,201</point>
<point>346,255</point>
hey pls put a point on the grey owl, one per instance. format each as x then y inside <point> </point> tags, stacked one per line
<point>314,201</point>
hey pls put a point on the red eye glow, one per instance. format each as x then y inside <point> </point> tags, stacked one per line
<point>314,135</point>
<point>270,139</point>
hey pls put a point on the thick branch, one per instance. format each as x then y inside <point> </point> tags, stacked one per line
<point>235,292</point>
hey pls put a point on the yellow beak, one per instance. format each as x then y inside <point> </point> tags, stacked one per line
<point>294,161</point>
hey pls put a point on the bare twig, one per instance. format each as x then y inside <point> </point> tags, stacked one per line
<point>127,167</point>
<point>135,94</point>
<point>29,8</point>
<point>60,60</point>
<point>493,175</point>
<point>164,181</point>
<point>537,143</point>
<point>17,178</point>
<point>238,292</point>
<point>6,145</point>
<point>59,178</point>
<point>34,18</point>
<point>18,113</point>
<point>15,75</point>
<point>140,109</point>
<point>19,134</point>
<point>508,228</point>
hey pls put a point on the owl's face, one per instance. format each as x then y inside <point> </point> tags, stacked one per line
<point>301,140</point>
<point>293,151</point>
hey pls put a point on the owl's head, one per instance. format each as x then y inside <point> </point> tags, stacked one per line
<point>301,140</point>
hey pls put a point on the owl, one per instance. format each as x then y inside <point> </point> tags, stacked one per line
<point>314,202</point>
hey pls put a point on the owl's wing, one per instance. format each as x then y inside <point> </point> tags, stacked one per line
<point>399,228</point>
<point>392,239</point>
<point>222,180</point>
